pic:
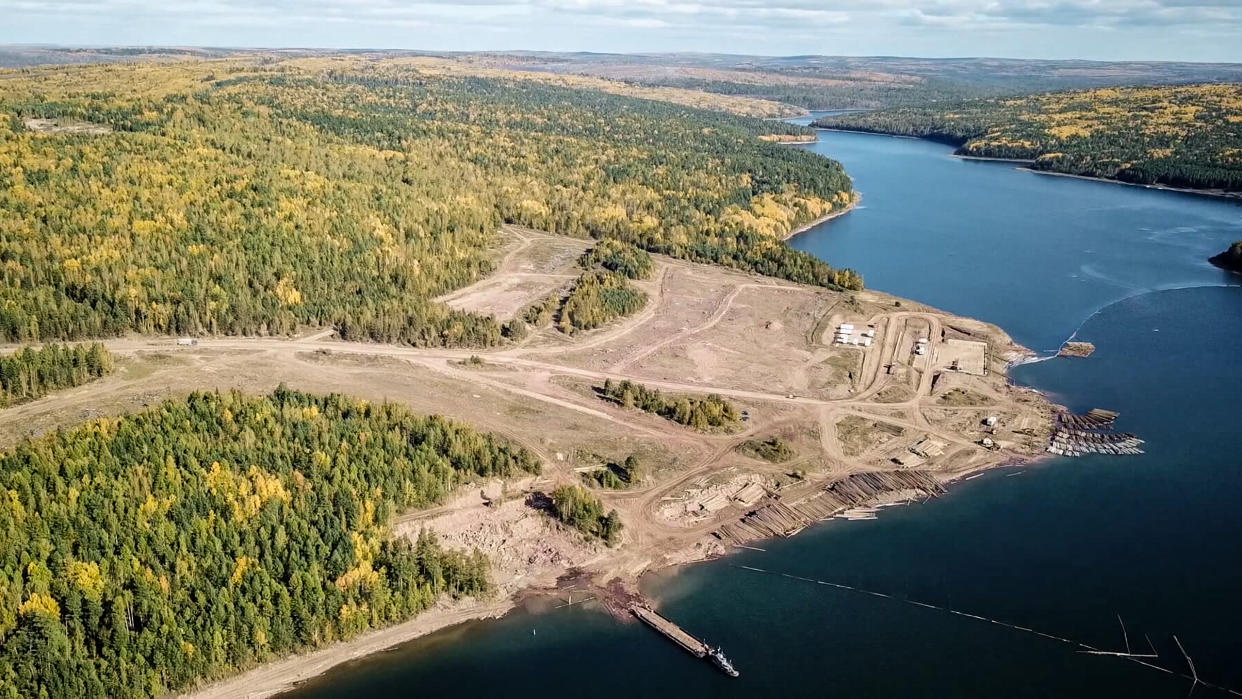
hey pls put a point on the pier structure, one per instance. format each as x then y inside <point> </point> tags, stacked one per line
<point>672,631</point>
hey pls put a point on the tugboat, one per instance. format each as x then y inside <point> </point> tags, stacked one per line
<point>719,660</point>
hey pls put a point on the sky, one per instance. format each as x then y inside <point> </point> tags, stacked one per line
<point>1189,30</point>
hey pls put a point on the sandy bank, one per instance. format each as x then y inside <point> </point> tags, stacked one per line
<point>281,675</point>
<point>826,217</point>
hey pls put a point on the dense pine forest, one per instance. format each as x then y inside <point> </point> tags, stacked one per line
<point>710,412</point>
<point>210,533</point>
<point>254,196</point>
<point>597,298</point>
<point>615,256</point>
<point>32,373</point>
<point>1185,136</point>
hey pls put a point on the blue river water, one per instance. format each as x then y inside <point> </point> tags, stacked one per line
<point>1064,547</point>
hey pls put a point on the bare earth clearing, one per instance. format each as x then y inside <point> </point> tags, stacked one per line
<point>763,343</point>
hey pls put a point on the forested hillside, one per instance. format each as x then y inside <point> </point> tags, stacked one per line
<point>255,196</point>
<point>1187,136</point>
<point>860,82</point>
<point>213,532</point>
<point>30,373</point>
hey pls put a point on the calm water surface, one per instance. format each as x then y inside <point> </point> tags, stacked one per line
<point>1062,547</point>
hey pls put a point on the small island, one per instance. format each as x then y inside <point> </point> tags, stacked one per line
<point>1076,349</point>
<point>1230,259</point>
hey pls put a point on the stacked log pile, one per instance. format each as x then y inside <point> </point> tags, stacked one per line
<point>781,518</point>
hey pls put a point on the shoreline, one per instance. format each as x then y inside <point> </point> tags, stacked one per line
<point>986,159</point>
<point>870,133</point>
<point>863,485</point>
<point>823,219</point>
<point>1213,193</point>
<point>284,674</point>
<point>1026,162</point>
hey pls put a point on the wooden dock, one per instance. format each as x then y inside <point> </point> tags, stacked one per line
<point>670,630</point>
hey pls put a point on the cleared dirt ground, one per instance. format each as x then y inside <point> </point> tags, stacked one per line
<point>531,266</point>
<point>759,342</point>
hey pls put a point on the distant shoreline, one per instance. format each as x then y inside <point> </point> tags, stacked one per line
<point>1214,193</point>
<point>983,158</point>
<point>1026,162</point>
<point>870,133</point>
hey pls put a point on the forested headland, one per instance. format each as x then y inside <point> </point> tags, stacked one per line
<point>1186,136</point>
<point>1230,259</point>
<point>31,373</point>
<point>257,196</point>
<point>214,532</point>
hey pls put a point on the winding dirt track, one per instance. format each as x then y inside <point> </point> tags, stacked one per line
<point>894,329</point>
<point>530,370</point>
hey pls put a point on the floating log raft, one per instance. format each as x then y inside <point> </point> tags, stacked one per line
<point>779,518</point>
<point>1075,435</point>
<point>672,631</point>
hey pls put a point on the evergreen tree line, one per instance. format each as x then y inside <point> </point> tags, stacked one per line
<point>615,476</point>
<point>281,196</point>
<point>596,296</point>
<point>596,299</point>
<point>141,554</point>
<point>710,412</point>
<point>617,256</point>
<point>32,373</point>
<point>579,508</point>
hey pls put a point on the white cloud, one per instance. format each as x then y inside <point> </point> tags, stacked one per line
<point>871,26</point>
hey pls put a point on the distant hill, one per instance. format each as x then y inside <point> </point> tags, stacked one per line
<point>1187,136</point>
<point>811,82</point>
<point>849,82</point>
